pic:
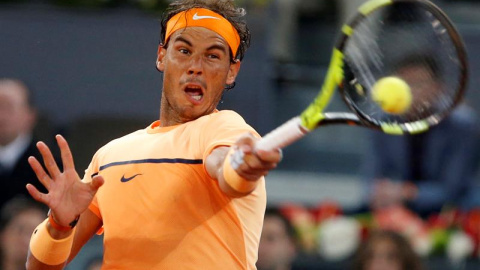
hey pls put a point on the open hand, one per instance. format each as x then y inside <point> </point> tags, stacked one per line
<point>67,195</point>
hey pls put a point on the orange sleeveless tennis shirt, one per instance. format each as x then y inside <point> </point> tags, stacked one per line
<point>161,210</point>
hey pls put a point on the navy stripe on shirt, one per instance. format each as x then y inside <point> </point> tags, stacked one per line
<point>151,160</point>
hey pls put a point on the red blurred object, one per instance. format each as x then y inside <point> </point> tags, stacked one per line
<point>396,218</point>
<point>436,221</point>
<point>471,226</point>
<point>326,209</point>
<point>294,212</point>
<point>400,219</point>
<point>304,223</point>
<point>447,218</point>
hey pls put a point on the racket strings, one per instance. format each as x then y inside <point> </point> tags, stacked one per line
<point>408,41</point>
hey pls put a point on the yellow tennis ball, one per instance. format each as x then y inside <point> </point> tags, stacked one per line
<point>392,94</point>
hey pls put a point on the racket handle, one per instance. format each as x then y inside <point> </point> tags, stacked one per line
<point>282,136</point>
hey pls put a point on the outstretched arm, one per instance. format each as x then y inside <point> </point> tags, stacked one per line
<point>68,198</point>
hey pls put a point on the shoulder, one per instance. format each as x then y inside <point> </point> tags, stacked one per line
<point>225,116</point>
<point>221,128</point>
<point>125,142</point>
<point>223,119</point>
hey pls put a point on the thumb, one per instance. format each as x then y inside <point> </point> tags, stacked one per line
<point>246,143</point>
<point>97,182</point>
<point>273,156</point>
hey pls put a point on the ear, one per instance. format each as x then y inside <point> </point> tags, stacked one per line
<point>233,71</point>
<point>160,57</point>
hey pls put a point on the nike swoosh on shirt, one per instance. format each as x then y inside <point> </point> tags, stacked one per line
<point>123,179</point>
<point>198,17</point>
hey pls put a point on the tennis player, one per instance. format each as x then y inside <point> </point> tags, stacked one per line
<point>169,196</point>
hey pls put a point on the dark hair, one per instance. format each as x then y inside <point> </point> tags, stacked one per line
<point>409,260</point>
<point>276,212</point>
<point>16,206</point>
<point>226,8</point>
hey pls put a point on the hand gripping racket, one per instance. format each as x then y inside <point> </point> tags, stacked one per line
<point>412,40</point>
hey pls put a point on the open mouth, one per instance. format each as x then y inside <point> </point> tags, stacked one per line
<point>194,91</point>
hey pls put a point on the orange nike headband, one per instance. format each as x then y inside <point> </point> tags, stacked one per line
<point>206,18</point>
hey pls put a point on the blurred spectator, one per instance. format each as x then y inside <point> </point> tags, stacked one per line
<point>18,218</point>
<point>384,250</point>
<point>17,120</point>
<point>429,170</point>
<point>278,249</point>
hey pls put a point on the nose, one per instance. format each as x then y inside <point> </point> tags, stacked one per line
<point>196,66</point>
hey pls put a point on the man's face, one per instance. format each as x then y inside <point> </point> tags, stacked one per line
<point>276,249</point>
<point>16,116</point>
<point>196,66</point>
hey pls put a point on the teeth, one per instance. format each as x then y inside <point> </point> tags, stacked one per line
<point>195,92</point>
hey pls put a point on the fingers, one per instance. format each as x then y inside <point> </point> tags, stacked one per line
<point>42,176</point>
<point>48,159</point>
<point>253,167</point>
<point>66,153</point>
<point>97,182</point>
<point>37,195</point>
<point>255,163</point>
<point>246,143</point>
<point>252,163</point>
<point>274,156</point>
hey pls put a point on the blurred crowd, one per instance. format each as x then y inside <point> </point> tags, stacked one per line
<point>334,236</point>
<point>405,219</point>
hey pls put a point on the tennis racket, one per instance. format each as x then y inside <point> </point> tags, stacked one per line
<point>408,39</point>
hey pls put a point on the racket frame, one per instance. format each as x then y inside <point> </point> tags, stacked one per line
<point>313,116</point>
<point>418,126</point>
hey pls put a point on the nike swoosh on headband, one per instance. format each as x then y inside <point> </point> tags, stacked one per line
<point>198,17</point>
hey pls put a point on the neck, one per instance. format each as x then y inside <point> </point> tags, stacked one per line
<point>167,116</point>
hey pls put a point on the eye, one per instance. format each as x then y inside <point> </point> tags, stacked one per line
<point>184,51</point>
<point>213,56</point>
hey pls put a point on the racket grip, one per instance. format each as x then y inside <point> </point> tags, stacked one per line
<point>282,136</point>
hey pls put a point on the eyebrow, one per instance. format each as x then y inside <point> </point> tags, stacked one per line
<point>213,47</point>
<point>182,39</point>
